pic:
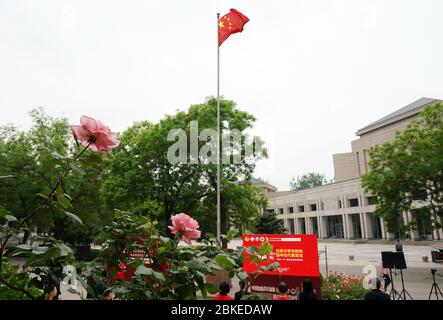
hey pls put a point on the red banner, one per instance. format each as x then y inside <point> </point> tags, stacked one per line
<point>297,256</point>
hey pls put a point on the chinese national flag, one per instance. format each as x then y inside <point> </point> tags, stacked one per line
<point>230,23</point>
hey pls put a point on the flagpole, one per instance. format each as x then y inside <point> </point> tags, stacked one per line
<point>218,133</point>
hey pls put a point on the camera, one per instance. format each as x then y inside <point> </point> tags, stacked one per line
<point>434,271</point>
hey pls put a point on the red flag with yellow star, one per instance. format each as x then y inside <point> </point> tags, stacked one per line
<point>230,23</point>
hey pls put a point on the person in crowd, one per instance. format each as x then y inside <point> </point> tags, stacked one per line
<point>398,246</point>
<point>307,291</point>
<point>282,292</point>
<point>223,294</point>
<point>376,293</point>
<point>239,294</point>
<point>384,273</point>
<point>55,292</point>
<point>108,294</point>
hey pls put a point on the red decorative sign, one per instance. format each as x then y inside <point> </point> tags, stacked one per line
<point>297,256</point>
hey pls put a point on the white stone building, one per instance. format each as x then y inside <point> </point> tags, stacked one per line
<point>342,209</point>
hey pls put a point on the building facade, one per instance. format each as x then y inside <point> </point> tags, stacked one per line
<point>343,210</point>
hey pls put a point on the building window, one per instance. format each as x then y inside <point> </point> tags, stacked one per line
<point>291,209</point>
<point>280,210</point>
<point>353,202</point>
<point>371,200</point>
<point>301,208</point>
<point>269,211</point>
<point>313,207</point>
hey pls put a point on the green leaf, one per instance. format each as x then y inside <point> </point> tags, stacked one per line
<point>57,155</point>
<point>92,158</point>
<point>73,217</point>
<point>10,218</point>
<point>160,250</point>
<point>242,275</point>
<point>64,201</point>
<point>143,271</point>
<point>266,248</point>
<point>37,251</point>
<point>225,261</point>
<point>231,234</point>
<point>64,249</point>
<point>210,235</point>
<point>7,177</point>
<point>77,168</point>
<point>212,288</point>
<point>251,250</point>
<point>42,196</point>
<point>158,275</point>
<point>193,264</point>
<point>273,266</point>
<point>255,259</point>
<point>24,247</point>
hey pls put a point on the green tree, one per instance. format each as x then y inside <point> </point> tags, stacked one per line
<point>28,157</point>
<point>32,160</point>
<point>268,223</point>
<point>409,170</point>
<point>140,177</point>
<point>307,181</point>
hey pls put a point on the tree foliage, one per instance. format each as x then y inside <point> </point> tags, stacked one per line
<point>268,223</point>
<point>406,174</point>
<point>307,181</point>
<point>142,179</point>
<point>31,162</point>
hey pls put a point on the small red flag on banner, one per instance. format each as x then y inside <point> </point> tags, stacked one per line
<point>230,23</point>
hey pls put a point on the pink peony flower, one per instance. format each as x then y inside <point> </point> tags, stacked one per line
<point>185,226</point>
<point>95,134</point>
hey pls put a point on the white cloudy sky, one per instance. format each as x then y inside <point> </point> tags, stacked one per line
<point>311,71</point>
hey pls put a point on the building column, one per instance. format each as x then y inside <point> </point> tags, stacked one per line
<point>405,218</point>
<point>345,228</point>
<point>308,225</point>
<point>324,223</point>
<point>320,227</point>
<point>413,233</point>
<point>285,224</point>
<point>300,223</point>
<point>369,231</point>
<point>349,227</point>
<point>435,232</point>
<point>383,229</point>
<point>440,230</point>
<point>362,226</point>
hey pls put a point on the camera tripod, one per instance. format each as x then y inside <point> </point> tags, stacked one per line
<point>434,288</point>
<point>403,290</point>
<point>394,294</point>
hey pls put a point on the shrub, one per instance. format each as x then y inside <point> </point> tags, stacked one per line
<point>340,286</point>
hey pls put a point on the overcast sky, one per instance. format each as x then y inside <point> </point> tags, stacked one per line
<point>312,71</point>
